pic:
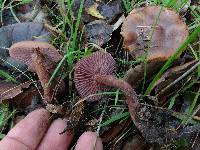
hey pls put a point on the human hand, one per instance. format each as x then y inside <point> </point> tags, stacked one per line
<point>35,132</point>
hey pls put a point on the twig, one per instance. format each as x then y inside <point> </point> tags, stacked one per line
<point>195,139</point>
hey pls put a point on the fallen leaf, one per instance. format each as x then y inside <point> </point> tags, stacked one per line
<point>162,88</point>
<point>92,10</point>
<point>19,32</point>
<point>24,99</point>
<point>9,90</point>
<point>99,32</point>
<point>43,75</point>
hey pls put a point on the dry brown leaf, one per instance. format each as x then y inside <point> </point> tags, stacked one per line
<point>9,90</point>
<point>43,75</point>
<point>115,130</point>
<point>92,10</point>
<point>24,99</point>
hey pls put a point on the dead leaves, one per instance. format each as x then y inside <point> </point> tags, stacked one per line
<point>43,75</point>
<point>9,90</point>
<point>39,61</point>
<point>92,10</point>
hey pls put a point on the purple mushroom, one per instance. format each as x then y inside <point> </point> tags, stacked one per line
<point>95,73</point>
<point>98,63</point>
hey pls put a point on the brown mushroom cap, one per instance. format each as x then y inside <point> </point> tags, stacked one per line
<point>22,51</point>
<point>98,63</point>
<point>169,33</point>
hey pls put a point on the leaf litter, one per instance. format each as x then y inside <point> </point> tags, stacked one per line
<point>156,126</point>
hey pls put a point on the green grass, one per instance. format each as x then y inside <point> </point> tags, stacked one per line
<point>6,76</point>
<point>5,115</point>
<point>191,108</point>
<point>115,118</point>
<point>72,50</point>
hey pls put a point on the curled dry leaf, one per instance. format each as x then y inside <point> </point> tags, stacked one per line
<point>98,32</point>
<point>9,90</point>
<point>39,62</point>
<point>98,10</point>
<point>161,40</point>
<point>22,51</point>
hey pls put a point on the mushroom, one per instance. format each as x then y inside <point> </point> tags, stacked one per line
<point>167,34</point>
<point>98,63</point>
<point>40,57</point>
<point>95,73</point>
<point>146,118</point>
<point>22,51</point>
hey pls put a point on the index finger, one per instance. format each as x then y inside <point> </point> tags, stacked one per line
<point>28,133</point>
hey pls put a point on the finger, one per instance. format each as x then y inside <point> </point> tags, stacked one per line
<point>28,133</point>
<point>53,140</point>
<point>89,141</point>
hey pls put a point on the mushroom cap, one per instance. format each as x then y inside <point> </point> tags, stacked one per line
<point>23,51</point>
<point>98,63</point>
<point>168,34</point>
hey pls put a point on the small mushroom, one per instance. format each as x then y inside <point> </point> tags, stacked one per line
<point>22,51</point>
<point>154,123</point>
<point>95,73</point>
<point>98,63</point>
<point>167,35</point>
<point>146,118</point>
<point>40,57</point>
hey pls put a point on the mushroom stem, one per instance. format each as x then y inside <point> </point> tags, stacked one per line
<point>43,75</point>
<point>130,94</point>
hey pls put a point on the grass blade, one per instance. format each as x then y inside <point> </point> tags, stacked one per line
<point>7,76</point>
<point>115,118</point>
